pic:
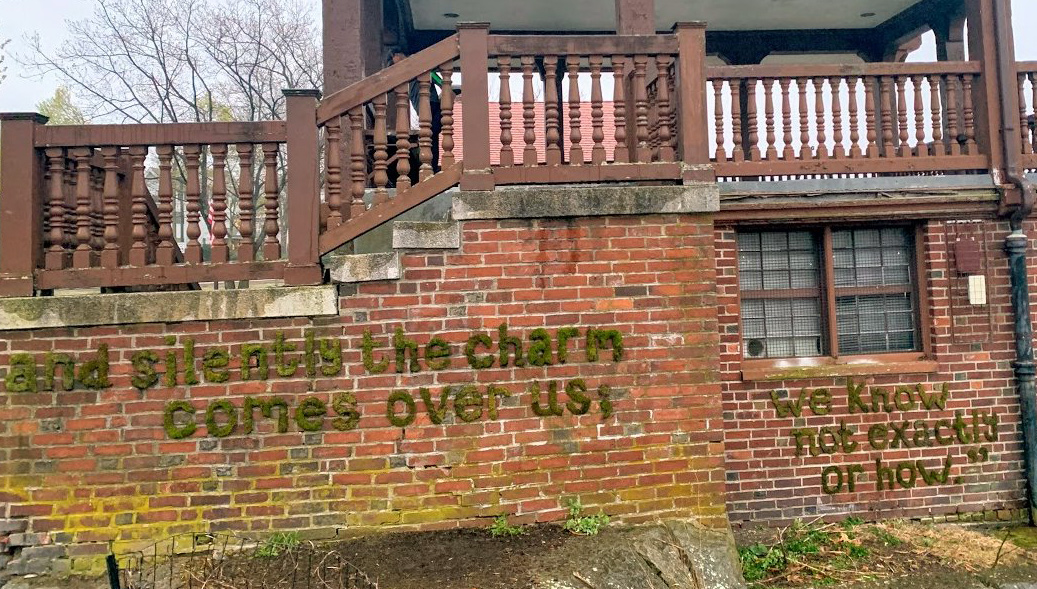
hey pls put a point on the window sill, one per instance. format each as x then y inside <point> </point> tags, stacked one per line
<point>802,369</point>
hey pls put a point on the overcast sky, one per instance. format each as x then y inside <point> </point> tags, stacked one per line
<point>19,18</point>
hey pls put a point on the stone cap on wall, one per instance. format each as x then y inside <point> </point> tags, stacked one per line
<point>585,201</point>
<point>167,307</point>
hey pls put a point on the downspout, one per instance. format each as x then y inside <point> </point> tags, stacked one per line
<point>1016,248</point>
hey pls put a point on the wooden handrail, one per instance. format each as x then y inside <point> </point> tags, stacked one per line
<point>825,71</point>
<point>1026,66</point>
<point>409,68</point>
<point>582,44</point>
<point>147,135</point>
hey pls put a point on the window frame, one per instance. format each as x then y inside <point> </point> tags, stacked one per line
<point>843,363</point>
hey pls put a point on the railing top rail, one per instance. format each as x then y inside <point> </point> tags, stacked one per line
<point>826,71</point>
<point>582,44</point>
<point>161,134</point>
<point>354,95</point>
<point>1026,66</point>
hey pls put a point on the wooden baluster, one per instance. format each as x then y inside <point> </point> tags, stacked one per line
<point>271,245</point>
<point>1024,123</point>
<point>785,84</point>
<point>938,148</point>
<point>82,257</point>
<point>529,154</point>
<point>953,132</point>
<point>653,117</point>
<point>768,111</point>
<point>246,204</point>
<point>671,85</point>
<point>754,123</point>
<point>193,251</point>
<point>70,205</point>
<point>835,85</point>
<point>572,63</point>
<point>643,152</point>
<point>56,258</point>
<point>803,118</point>
<point>446,105</point>
<point>164,252</point>
<point>551,113</point>
<point>969,114</point>
<point>381,151</point>
<point>854,111</point>
<point>219,252</point>
<point>904,149</point>
<point>1033,108</point>
<point>97,211</point>
<point>666,132</point>
<point>887,118</point>
<point>820,120</point>
<point>425,170</point>
<point>919,106</point>
<point>507,155</point>
<point>718,119</point>
<point>736,119</point>
<point>619,101</point>
<point>597,111</point>
<point>110,210</point>
<point>869,116</point>
<point>138,255</point>
<point>357,161</point>
<point>333,155</point>
<point>403,181</point>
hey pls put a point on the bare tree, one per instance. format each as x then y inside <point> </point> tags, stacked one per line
<point>155,61</point>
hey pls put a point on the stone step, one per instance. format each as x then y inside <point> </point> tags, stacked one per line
<point>426,235</point>
<point>352,268</point>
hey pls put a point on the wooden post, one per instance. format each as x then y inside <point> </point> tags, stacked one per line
<point>691,105</point>
<point>986,99</point>
<point>21,203</point>
<point>474,44</point>
<point>635,17</point>
<point>303,189</point>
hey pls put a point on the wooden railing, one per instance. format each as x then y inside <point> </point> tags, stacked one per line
<point>818,120</point>
<point>1027,108</point>
<point>636,75</point>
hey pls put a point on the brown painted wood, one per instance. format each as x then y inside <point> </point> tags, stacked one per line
<point>22,200</point>
<point>921,291</point>
<point>368,220</point>
<point>754,123</point>
<point>598,155</point>
<point>572,65</point>
<point>83,256</point>
<point>424,127</point>
<point>785,85</point>
<point>302,189</point>
<point>887,117</point>
<point>529,153</point>
<point>507,154</point>
<point>870,166</point>
<point>803,118</point>
<point>968,112</point>
<point>820,119</point>
<point>767,213</point>
<point>1024,123</point>
<point>919,108</point>
<point>854,110</point>
<point>842,71</point>
<point>474,46</point>
<point>246,203</point>
<point>642,151</point>
<point>159,275</point>
<point>381,150</point>
<point>717,88</point>
<point>936,112</point>
<point>619,101</point>
<point>403,180</point>
<point>736,121</point>
<point>768,109</point>
<point>446,101</point>
<point>829,307</point>
<point>164,250</point>
<point>582,44</point>
<point>357,163</point>
<point>333,159</point>
<point>871,116</point>
<point>271,190</point>
<point>635,17</point>
<point>903,147</point>
<point>954,132</point>
<point>160,134</point>
<point>138,254</point>
<point>691,99</point>
<point>551,112</point>
<point>835,86</point>
<point>219,252</point>
<point>398,74</point>
<point>56,257</point>
<point>193,194</point>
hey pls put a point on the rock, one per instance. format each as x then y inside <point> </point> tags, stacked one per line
<point>677,554</point>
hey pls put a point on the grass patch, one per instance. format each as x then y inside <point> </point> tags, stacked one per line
<point>278,544</point>
<point>818,554</point>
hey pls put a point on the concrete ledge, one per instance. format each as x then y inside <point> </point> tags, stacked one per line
<point>585,201</point>
<point>363,267</point>
<point>426,235</point>
<point>922,184</point>
<point>167,307</point>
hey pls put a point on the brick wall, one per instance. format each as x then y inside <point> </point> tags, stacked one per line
<point>639,436</point>
<point>768,482</point>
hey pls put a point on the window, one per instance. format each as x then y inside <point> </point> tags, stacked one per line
<point>831,292</point>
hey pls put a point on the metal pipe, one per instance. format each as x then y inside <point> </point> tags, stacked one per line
<point>1016,248</point>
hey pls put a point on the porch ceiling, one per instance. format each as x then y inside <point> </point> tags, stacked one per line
<point>599,15</point>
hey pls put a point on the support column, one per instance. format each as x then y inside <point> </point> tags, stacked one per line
<point>635,17</point>
<point>21,203</point>
<point>984,47</point>
<point>950,37</point>
<point>353,44</point>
